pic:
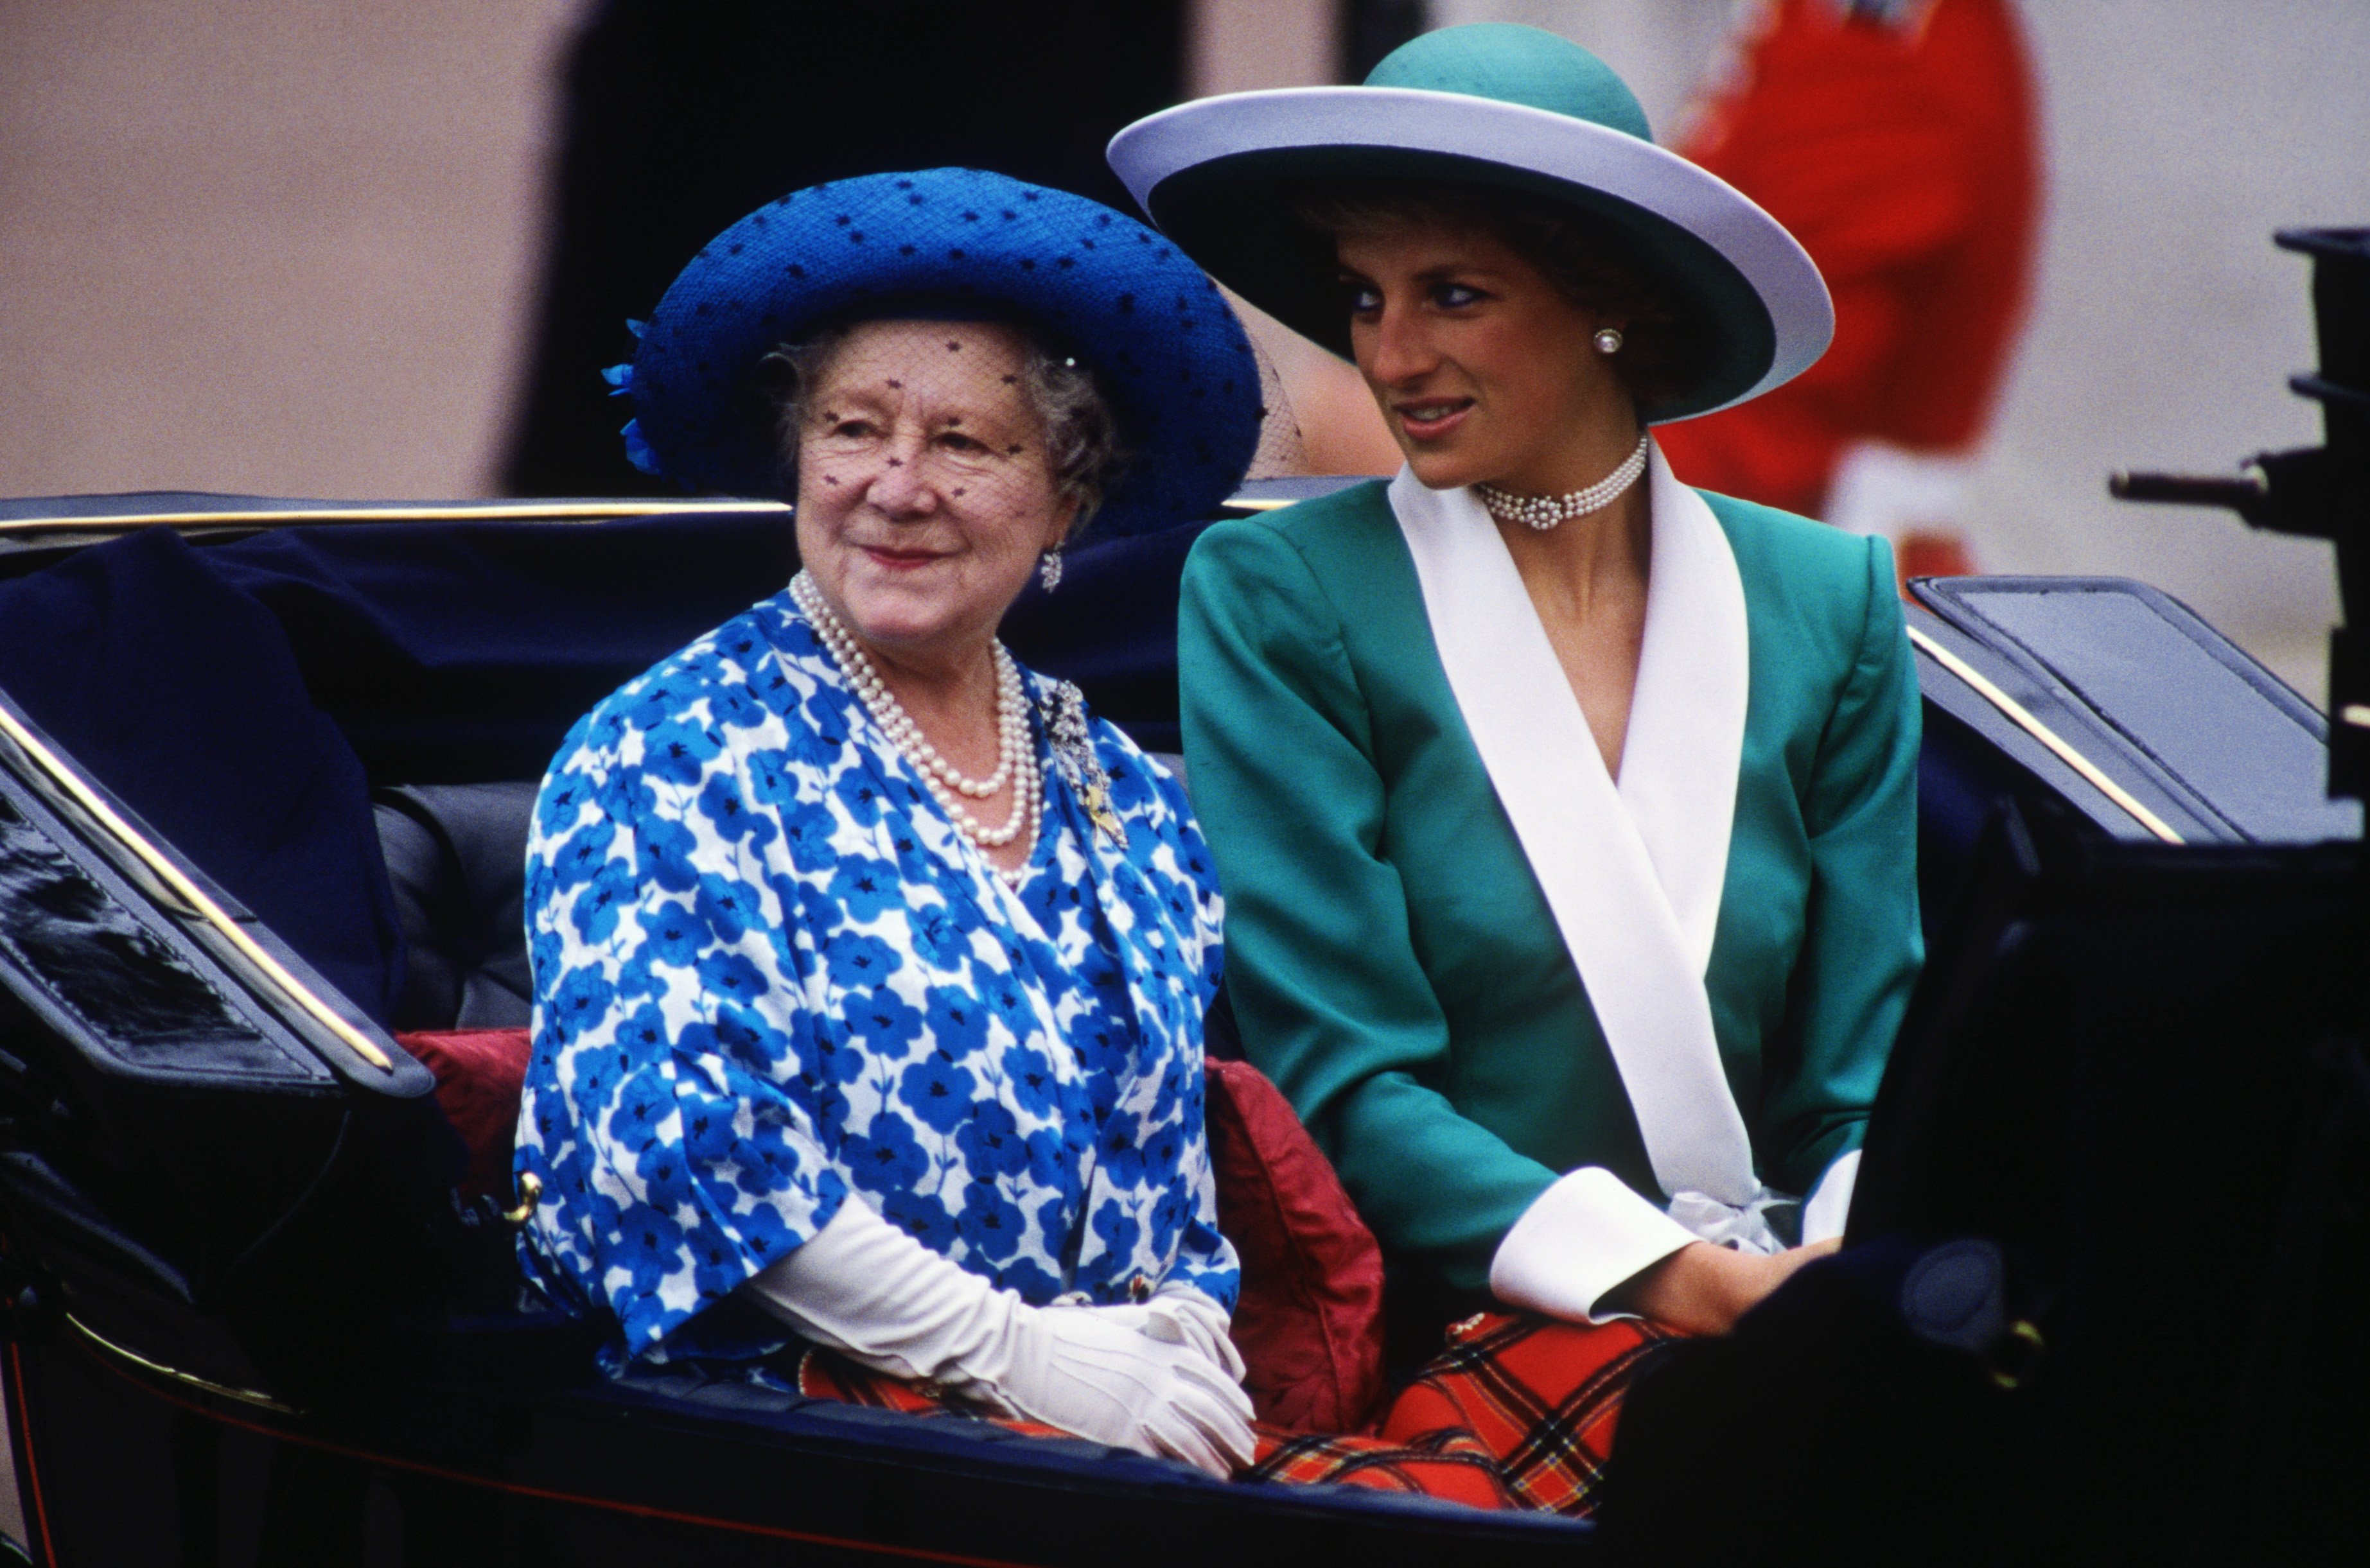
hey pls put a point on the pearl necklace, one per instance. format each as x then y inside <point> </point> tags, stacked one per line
<point>1016,752</point>
<point>1544,512</point>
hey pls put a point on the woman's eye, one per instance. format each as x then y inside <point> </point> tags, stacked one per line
<point>1456,296</point>
<point>1364,298</point>
<point>955,440</point>
<point>852,429</point>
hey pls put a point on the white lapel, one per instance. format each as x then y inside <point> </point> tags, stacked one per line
<point>1636,952</point>
<point>1685,742</point>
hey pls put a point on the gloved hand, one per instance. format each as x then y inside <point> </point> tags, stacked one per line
<point>1110,1373</point>
<point>1176,1308</point>
<point>1160,1377</point>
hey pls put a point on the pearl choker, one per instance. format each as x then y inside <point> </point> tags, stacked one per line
<point>1544,512</point>
<point>1016,751</point>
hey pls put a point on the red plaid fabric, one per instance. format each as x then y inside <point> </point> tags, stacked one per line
<point>1517,1412</point>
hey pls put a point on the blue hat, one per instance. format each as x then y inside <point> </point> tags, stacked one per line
<point>1492,105</point>
<point>1163,342</point>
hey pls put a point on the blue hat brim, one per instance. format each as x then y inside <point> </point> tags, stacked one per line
<point>1222,178</point>
<point>1163,342</point>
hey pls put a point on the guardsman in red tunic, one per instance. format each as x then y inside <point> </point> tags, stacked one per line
<point>1896,141</point>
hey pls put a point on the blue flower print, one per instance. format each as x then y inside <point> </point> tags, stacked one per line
<point>725,907</point>
<point>1027,1278</point>
<point>1130,785</point>
<point>851,1009</point>
<point>653,1250</point>
<point>888,1159</point>
<point>1116,1230</point>
<point>991,1141</point>
<point>1164,1151</point>
<point>1171,1212</point>
<point>675,935</point>
<point>936,1091</point>
<point>1120,1151</point>
<point>597,1070</point>
<point>734,708</point>
<point>863,889</point>
<point>882,1023</point>
<point>809,843</point>
<point>583,854</point>
<point>1056,1234</point>
<point>1035,1085</point>
<point>862,803</point>
<point>951,1014</point>
<point>857,960</point>
<point>677,750</point>
<point>641,1035</point>
<point>921,1217</point>
<point>731,818</point>
<point>1049,1158</point>
<point>730,974</point>
<point>665,859</point>
<point>562,801</point>
<point>579,998</point>
<point>990,1223</point>
<point>609,890</point>
<point>643,1103</point>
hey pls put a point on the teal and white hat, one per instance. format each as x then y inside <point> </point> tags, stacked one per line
<point>1497,106</point>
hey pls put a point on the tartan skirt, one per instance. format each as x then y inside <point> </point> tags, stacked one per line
<point>1517,1411</point>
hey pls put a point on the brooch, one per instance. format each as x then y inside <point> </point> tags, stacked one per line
<point>1074,756</point>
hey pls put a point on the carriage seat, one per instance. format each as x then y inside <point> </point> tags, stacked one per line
<point>456,857</point>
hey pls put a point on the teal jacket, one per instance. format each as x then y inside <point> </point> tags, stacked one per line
<point>1392,961</point>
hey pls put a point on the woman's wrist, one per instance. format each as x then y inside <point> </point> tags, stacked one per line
<point>1703,1289</point>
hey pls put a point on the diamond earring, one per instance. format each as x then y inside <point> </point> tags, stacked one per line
<point>1049,570</point>
<point>1608,341</point>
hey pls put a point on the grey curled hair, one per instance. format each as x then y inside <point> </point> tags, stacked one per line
<point>1082,449</point>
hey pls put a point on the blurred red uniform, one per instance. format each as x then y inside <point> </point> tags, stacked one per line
<point>1897,142</point>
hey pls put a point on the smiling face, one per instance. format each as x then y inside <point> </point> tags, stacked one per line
<point>1484,369</point>
<point>924,494</point>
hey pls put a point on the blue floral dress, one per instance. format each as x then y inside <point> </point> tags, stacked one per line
<point>769,973</point>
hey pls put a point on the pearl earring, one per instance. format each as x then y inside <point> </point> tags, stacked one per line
<point>1049,570</point>
<point>1608,341</point>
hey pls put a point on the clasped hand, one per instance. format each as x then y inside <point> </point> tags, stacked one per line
<point>1703,1289</point>
<point>1161,1378</point>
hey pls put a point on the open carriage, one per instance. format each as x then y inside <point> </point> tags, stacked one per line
<point>260,1309</point>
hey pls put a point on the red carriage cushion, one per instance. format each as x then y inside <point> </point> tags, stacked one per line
<point>480,1075</point>
<point>1310,1321</point>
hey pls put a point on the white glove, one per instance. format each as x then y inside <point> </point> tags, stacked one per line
<point>1160,1377</point>
<point>1179,1314</point>
<point>1093,1371</point>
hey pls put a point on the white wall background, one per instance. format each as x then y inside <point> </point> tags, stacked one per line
<point>2179,134</point>
<point>274,246</point>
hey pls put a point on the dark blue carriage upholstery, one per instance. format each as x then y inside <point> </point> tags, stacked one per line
<point>181,692</point>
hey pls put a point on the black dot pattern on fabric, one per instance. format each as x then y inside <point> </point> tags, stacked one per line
<point>1183,377</point>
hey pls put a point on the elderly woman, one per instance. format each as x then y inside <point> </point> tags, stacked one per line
<point>1566,814</point>
<point>870,969</point>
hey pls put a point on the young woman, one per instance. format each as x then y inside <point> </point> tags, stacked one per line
<point>1566,815</point>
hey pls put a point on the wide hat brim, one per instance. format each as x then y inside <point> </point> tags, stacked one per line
<point>1222,175</point>
<point>945,244</point>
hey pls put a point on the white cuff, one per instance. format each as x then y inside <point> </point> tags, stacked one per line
<point>1579,1239</point>
<point>1830,1203</point>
